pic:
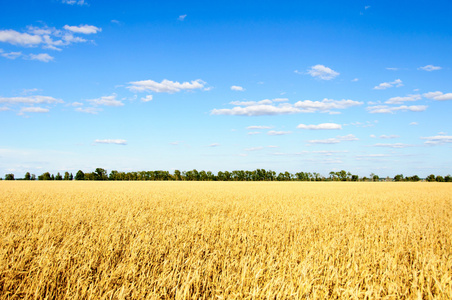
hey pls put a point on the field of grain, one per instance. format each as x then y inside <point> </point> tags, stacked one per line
<point>225,240</point>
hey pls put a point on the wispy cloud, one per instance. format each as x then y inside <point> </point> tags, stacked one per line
<point>439,96</point>
<point>166,86</point>
<point>147,98</point>
<point>400,100</point>
<point>44,57</point>
<point>386,85</point>
<point>84,29</point>
<point>237,88</point>
<point>33,110</point>
<point>106,101</point>
<point>437,140</point>
<point>273,132</point>
<point>111,141</point>
<point>430,68</point>
<point>384,109</point>
<point>182,17</point>
<point>396,145</point>
<point>30,100</point>
<point>77,2</point>
<point>322,72</point>
<point>393,136</point>
<point>214,145</point>
<point>323,126</point>
<point>258,127</point>
<point>336,140</point>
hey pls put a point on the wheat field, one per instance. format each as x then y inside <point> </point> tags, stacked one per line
<point>225,240</point>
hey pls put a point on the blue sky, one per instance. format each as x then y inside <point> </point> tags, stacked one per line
<point>316,86</point>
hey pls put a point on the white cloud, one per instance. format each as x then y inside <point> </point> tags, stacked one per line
<point>355,80</point>
<point>400,100</point>
<point>323,126</point>
<point>437,140</point>
<point>384,136</point>
<point>336,140</point>
<point>237,88</point>
<point>44,57</point>
<point>439,96</point>
<point>33,110</point>
<point>88,110</point>
<point>182,17</point>
<point>250,103</point>
<point>392,69</point>
<point>111,141</point>
<point>10,55</point>
<point>385,85</point>
<point>147,98</point>
<point>414,123</point>
<point>166,86</point>
<point>396,145</point>
<point>254,148</point>
<point>259,127</point>
<point>84,29</point>
<point>254,132</point>
<point>384,109</point>
<point>76,104</point>
<point>273,132</point>
<point>280,100</point>
<point>265,107</point>
<point>17,38</point>
<point>214,145</point>
<point>107,101</point>
<point>322,72</point>
<point>30,100</point>
<point>72,2</point>
<point>4,108</point>
<point>325,105</point>
<point>430,68</point>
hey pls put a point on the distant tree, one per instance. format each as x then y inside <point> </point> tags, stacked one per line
<point>33,177</point>
<point>71,177</point>
<point>80,175</point>
<point>355,177</point>
<point>448,178</point>
<point>439,178</point>
<point>27,176</point>
<point>100,174</point>
<point>45,176</point>
<point>177,175</point>
<point>414,178</point>
<point>9,176</point>
<point>398,177</point>
<point>53,177</point>
<point>375,178</point>
<point>430,178</point>
<point>58,176</point>
<point>66,176</point>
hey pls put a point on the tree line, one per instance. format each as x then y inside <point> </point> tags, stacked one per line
<point>237,175</point>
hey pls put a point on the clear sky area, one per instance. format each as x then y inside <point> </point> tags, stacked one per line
<point>312,86</point>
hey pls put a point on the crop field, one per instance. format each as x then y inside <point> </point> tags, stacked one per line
<point>225,240</point>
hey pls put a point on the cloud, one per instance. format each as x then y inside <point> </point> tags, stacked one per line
<point>323,126</point>
<point>336,140</point>
<point>4,108</point>
<point>84,29</point>
<point>88,110</point>
<point>439,96</point>
<point>254,148</point>
<point>10,55</point>
<point>266,107</point>
<point>182,17</point>
<point>44,57</point>
<point>259,127</point>
<point>111,141</point>
<point>214,145</point>
<point>273,132</point>
<point>414,123</point>
<point>384,109</point>
<point>237,88</point>
<point>396,145</point>
<point>322,72</point>
<point>147,98</point>
<point>430,68</point>
<point>166,86</point>
<point>16,38</point>
<point>72,2</point>
<point>437,140</point>
<point>392,69</point>
<point>355,79</point>
<point>389,136</point>
<point>107,101</point>
<point>325,105</point>
<point>33,110</point>
<point>254,132</point>
<point>400,100</point>
<point>385,85</point>
<point>30,100</point>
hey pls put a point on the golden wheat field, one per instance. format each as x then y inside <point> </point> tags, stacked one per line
<point>225,240</point>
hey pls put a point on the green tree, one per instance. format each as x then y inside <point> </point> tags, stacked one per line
<point>9,176</point>
<point>27,176</point>
<point>398,177</point>
<point>100,174</point>
<point>430,178</point>
<point>66,176</point>
<point>33,177</point>
<point>58,176</point>
<point>439,178</point>
<point>80,175</point>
